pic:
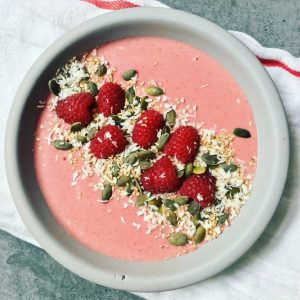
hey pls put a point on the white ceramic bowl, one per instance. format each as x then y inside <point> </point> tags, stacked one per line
<point>271,169</point>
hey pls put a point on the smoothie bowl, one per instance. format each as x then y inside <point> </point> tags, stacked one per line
<point>144,151</point>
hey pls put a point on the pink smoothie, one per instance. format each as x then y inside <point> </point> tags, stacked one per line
<point>184,72</point>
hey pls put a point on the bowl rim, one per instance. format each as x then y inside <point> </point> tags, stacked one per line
<point>72,261</point>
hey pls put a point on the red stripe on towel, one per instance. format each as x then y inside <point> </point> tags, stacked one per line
<point>113,5</point>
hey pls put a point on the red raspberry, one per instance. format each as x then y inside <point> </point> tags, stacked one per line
<point>76,108</point>
<point>146,128</point>
<point>183,144</point>
<point>200,188</point>
<point>108,141</point>
<point>111,99</point>
<point>161,177</point>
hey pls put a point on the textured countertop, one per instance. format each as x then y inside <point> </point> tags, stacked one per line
<point>28,272</point>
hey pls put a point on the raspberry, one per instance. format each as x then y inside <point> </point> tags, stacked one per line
<point>183,144</point>
<point>76,108</point>
<point>111,99</point>
<point>108,141</point>
<point>200,188</point>
<point>161,177</point>
<point>146,128</point>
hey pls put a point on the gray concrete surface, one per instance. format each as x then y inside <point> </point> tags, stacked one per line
<point>27,272</point>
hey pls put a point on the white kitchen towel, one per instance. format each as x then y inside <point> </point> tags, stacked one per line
<point>271,268</point>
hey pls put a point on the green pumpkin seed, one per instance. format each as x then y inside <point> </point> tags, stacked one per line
<point>199,170</point>
<point>144,165</point>
<point>107,192</point>
<point>180,173</point>
<point>54,87</point>
<point>195,219</point>
<point>188,169</point>
<point>154,91</point>
<point>144,103</point>
<point>76,127</point>
<point>115,169</point>
<point>101,70</point>
<point>182,200</point>
<point>172,218</point>
<point>178,239</point>
<point>82,139</point>
<point>156,201</point>
<point>123,180</point>
<point>130,187</point>
<point>199,234</point>
<point>193,208</point>
<point>93,88</point>
<point>62,145</point>
<point>171,117</point>
<point>229,167</point>
<point>210,160</point>
<point>92,132</point>
<point>130,94</point>
<point>145,154</point>
<point>166,129</point>
<point>162,141</point>
<point>169,204</point>
<point>223,218</point>
<point>117,119</point>
<point>242,133</point>
<point>141,199</point>
<point>131,159</point>
<point>138,185</point>
<point>129,74</point>
<point>232,190</point>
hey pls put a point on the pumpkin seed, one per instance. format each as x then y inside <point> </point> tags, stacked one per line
<point>54,87</point>
<point>130,94</point>
<point>130,187</point>
<point>195,219</point>
<point>123,180</point>
<point>92,132</point>
<point>117,119</point>
<point>62,145</point>
<point>138,185</point>
<point>199,234</point>
<point>115,169</point>
<point>129,74</point>
<point>229,167</point>
<point>107,192</point>
<point>144,103</point>
<point>82,139</point>
<point>182,200</point>
<point>93,88</point>
<point>101,70</point>
<point>172,218</point>
<point>193,208</point>
<point>145,154</point>
<point>171,117</point>
<point>188,169</point>
<point>199,170</point>
<point>156,201</point>
<point>210,160</point>
<point>166,129</point>
<point>222,219</point>
<point>162,141</point>
<point>76,127</point>
<point>141,199</point>
<point>144,165</point>
<point>169,204</point>
<point>178,239</point>
<point>232,190</point>
<point>154,91</point>
<point>180,173</point>
<point>131,159</point>
<point>242,133</point>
